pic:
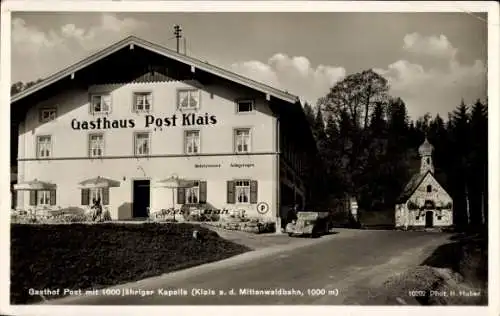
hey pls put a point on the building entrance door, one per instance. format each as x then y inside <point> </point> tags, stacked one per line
<point>141,198</point>
<point>429,219</point>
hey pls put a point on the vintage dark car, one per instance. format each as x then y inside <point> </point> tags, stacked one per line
<point>312,224</point>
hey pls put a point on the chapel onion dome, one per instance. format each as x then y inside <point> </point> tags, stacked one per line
<point>426,148</point>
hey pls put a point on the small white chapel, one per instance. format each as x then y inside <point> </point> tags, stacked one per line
<point>424,203</point>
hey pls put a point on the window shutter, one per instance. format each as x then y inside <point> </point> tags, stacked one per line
<point>53,197</point>
<point>253,192</point>
<point>32,197</point>
<point>85,196</point>
<point>105,196</point>
<point>230,192</point>
<point>181,196</point>
<point>203,192</point>
<point>90,110</point>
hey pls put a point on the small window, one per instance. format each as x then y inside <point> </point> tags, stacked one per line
<point>92,195</point>
<point>43,197</point>
<point>44,146</point>
<point>428,161</point>
<point>96,145</point>
<point>95,194</point>
<point>244,106</point>
<point>242,140</point>
<point>439,217</point>
<point>143,101</point>
<point>429,188</point>
<point>188,99</point>
<point>142,144</point>
<point>417,217</point>
<point>193,193</point>
<point>242,190</point>
<point>47,115</point>
<point>100,103</point>
<point>192,142</point>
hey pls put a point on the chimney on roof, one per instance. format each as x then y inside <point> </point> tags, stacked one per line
<point>178,35</point>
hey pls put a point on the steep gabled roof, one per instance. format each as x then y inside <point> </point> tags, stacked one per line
<point>133,40</point>
<point>411,187</point>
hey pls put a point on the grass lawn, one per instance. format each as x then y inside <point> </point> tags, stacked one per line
<point>84,256</point>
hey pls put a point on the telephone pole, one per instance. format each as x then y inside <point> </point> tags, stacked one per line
<point>178,35</point>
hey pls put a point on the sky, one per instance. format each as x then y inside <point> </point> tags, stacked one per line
<point>431,60</point>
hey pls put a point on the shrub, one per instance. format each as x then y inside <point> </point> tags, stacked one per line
<point>106,215</point>
<point>75,218</point>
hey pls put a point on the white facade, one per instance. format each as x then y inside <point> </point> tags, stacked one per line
<point>223,138</point>
<point>425,203</point>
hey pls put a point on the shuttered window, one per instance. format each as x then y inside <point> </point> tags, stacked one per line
<point>43,197</point>
<point>193,193</point>
<point>242,192</point>
<point>89,195</point>
<point>197,194</point>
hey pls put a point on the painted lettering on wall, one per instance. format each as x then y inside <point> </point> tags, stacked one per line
<point>242,165</point>
<point>207,165</point>
<point>186,119</point>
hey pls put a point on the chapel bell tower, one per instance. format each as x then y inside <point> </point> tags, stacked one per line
<point>425,150</point>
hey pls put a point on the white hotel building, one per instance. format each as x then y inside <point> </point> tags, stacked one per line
<point>137,113</point>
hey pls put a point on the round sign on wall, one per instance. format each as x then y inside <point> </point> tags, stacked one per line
<point>262,208</point>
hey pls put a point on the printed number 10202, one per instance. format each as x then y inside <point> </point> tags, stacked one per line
<point>417,293</point>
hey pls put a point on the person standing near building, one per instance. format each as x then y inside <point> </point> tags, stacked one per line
<point>292,214</point>
<point>97,209</point>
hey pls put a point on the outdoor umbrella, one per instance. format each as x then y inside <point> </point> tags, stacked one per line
<point>34,185</point>
<point>99,182</point>
<point>174,182</point>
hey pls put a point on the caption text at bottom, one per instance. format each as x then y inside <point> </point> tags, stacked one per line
<point>186,292</point>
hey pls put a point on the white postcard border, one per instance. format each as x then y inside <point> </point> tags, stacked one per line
<point>251,6</point>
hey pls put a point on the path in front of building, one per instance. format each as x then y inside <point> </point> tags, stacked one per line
<point>342,264</point>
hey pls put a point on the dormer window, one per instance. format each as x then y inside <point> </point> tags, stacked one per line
<point>244,106</point>
<point>100,103</point>
<point>47,115</point>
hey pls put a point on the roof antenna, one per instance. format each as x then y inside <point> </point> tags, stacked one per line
<point>178,35</point>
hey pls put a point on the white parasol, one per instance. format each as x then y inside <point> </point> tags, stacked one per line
<point>174,182</point>
<point>34,185</point>
<point>99,182</point>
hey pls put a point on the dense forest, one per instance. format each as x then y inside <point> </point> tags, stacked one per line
<point>368,147</point>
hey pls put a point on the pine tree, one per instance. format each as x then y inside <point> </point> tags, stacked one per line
<point>319,126</point>
<point>459,173</point>
<point>479,161</point>
<point>309,112</point>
